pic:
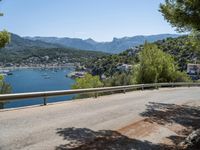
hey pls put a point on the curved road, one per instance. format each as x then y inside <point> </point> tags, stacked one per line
<point>38,128</point>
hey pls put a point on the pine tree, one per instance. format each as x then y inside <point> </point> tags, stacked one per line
<point>182,14</point>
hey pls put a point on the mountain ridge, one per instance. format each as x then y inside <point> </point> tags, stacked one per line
<point>117,45</point>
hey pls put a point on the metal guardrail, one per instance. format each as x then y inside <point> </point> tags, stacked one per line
<point>47,94</point>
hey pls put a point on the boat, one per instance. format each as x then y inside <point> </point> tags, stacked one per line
<point>10,73</point>
<point>47,77</point>
<point>6,72</point>
<point>44,75</point>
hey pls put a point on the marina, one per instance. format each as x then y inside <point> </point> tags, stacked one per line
<point>36,80</point>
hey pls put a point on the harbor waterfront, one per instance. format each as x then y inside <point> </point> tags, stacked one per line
<point>36,80</point>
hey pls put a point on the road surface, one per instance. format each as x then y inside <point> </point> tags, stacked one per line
<point>69,124</point>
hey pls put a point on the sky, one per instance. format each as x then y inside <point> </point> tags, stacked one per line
<point>100,20</point>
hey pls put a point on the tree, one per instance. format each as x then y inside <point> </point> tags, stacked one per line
<point>185,16</point>
<point>4,39</point>
<point>119,79</point>
<point>4,89</point>
<point>155,66</point>
<point>1,14</point>
<point>182,14</point>
<point>4,36</point>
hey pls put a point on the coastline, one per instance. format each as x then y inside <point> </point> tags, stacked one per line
<point>37,67</point>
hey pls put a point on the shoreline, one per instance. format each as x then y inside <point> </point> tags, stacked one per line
<point>34,67</point>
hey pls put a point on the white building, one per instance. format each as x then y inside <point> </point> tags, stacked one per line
<point>124,67</point>
<point>194,71</point>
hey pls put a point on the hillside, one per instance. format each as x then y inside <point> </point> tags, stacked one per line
<point>179,48</point>
<point>117,45</point>
<point>24,52</point>
<point>19,43</point>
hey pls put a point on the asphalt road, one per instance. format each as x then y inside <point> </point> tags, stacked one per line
<point>42,127</point>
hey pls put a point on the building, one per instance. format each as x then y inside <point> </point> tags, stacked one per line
<point>124,67</point>
<point>77,74</point>
<point>193,70</point>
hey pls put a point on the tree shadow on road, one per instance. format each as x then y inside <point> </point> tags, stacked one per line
<point>166,114</point>
<point>86,139</point>
<point>187,116</point>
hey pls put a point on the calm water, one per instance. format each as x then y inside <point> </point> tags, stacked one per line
<point>35,80</point>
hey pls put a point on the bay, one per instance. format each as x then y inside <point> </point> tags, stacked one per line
<point>37,80</point>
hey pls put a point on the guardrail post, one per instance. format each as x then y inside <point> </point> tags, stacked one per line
<point>1,105</point>
<point>156,86</point>
<point>142,87</point>
<point>96,95</point>
<point>45,101</point>
<point>172,84</point>
<point>188,84</point>
<point>124,91</point>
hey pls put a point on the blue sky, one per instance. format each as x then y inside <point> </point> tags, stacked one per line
<point>98,19</point>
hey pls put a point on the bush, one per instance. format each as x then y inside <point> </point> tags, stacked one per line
<point>181,77</point>
<point>4,89</point>
<point>88,81</point>
<point>119,79</point>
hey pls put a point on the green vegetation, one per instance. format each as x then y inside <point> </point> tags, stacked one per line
<point>119,79</point>
<point>156,66</point>
<point>182,51</point>
<point>183,14</point>
<point>4,38</point>
<point>23,52</point>
<point>88,81</point>
<point>57,55</point>
<point>4,89</point>
<point>162,61</point>
<point>107,65</point>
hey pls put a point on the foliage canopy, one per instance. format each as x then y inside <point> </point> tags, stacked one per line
<point>183,14</point>
<point>88,81</point>
<point>4,38</point>
<point>155,66</point>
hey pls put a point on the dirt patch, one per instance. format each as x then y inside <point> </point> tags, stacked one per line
<point>139,129</point>
<point>156,133</point>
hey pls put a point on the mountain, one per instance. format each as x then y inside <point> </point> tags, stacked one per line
<point>117,45</point>
<point>19,43</point>
<point>25,52</point>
